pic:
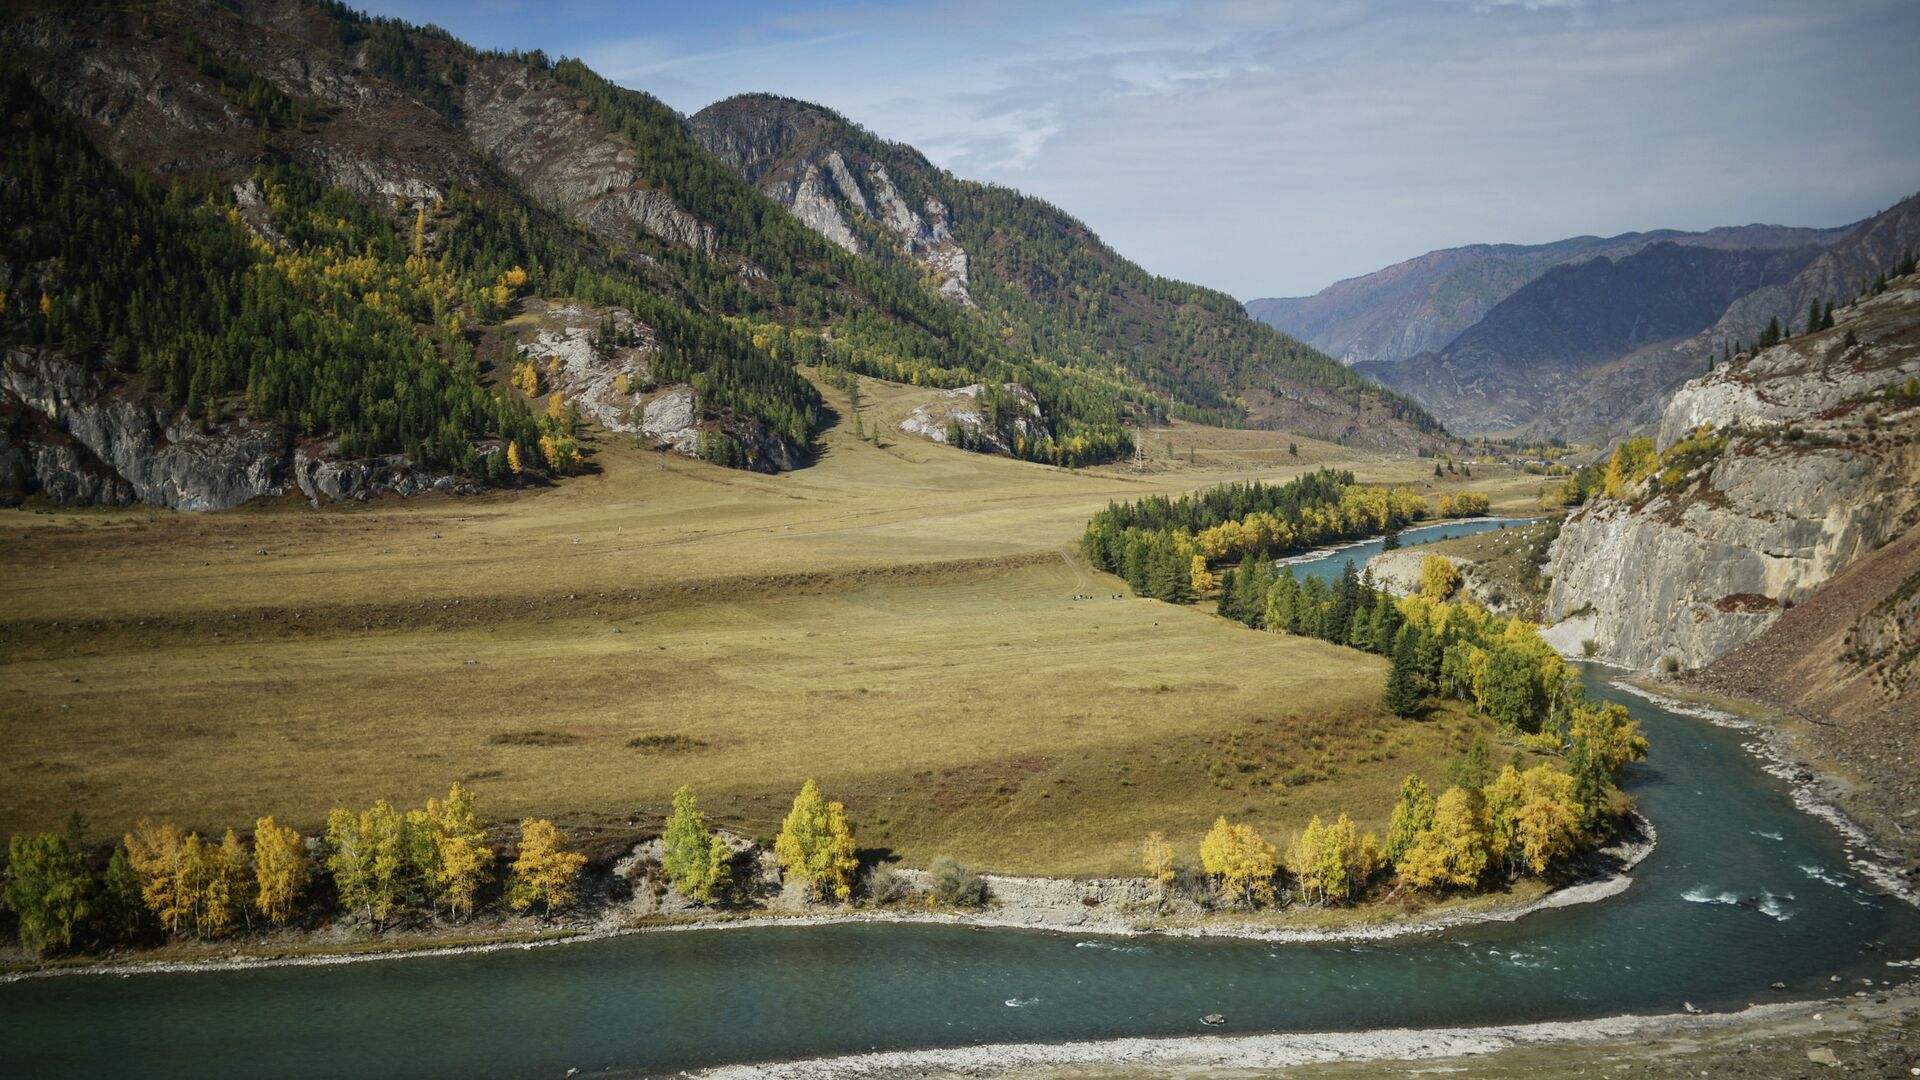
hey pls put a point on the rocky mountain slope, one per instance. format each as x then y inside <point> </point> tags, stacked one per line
<point>1422,304</point>
<point>1044,278</point>
<point>1628,394</point>
<point>448,207</point>
<point>1537,347</point>
<point>1848,659</point>
<point>1775,473</point>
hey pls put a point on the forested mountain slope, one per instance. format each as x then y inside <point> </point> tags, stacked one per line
<point>1538,346</point>
<point>262,245</point>
<point>1042,280</point>
<point>1422,304</point>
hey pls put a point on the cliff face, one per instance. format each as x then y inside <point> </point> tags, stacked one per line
<point>1820,466</point>
<point>78,437</point>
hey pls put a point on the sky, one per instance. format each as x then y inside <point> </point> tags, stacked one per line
<point>1272,148</point>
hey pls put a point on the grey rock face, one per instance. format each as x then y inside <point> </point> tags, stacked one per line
<point>581,373</point>
<point>1690,574</point>
<point>791,155</point>
<point>933,420</point>
<point>89,444</point>
<point>531,126</point>
<point>671,419</point>
<point>813,202</point>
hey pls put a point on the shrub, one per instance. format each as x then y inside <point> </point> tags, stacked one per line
<point>885,885</point>
<point>657,743</point>
<point>1670,665</point>
<point>956,886</point>
<point>535,737</point>
<point>1589,647</point>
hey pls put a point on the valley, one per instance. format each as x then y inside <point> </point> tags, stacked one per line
<point>546,546</point>
<point>909,594</point>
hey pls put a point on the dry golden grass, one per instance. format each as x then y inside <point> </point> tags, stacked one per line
<point>899,621</point>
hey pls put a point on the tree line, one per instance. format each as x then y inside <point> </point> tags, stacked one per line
<point>378,864</point>
<point>1483,830</point>
<point>1167,548</point>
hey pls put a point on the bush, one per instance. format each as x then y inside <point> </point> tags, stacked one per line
<point>956,886</point>
<point>1589,647</point>
<point>885,885</point>
<point>1670,665</point>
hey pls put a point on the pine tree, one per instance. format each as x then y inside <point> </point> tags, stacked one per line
<point>121,910</point>
<point>1402,694</point>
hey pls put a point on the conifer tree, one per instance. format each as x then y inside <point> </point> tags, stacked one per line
<point>1402,694</point>
<point>49,891</point>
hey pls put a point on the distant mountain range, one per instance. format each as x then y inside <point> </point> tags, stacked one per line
<point>1584,338</point>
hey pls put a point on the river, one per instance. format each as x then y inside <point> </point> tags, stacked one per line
<point>1329,566</point>
<point>1743,890</point>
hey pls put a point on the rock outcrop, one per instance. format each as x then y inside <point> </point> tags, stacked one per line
<point>959,412</point>
<point>794,154</point>
<point>535,130</point>
<point>1820,464</point>
<point>76,438</point>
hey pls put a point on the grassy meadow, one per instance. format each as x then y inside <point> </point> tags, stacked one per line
<point>904,622</point>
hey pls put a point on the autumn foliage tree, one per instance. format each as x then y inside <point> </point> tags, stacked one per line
<point>545,870</point>
<point>1242,860</point>
<point>1533,817</point>
<point>459,838</point>
<point>281,869</point>
<point>1453,851</point>
<point>815,845</point>
<point>1156,858</point>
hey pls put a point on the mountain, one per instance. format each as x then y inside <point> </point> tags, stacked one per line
<point>256,246</point>
<point>1538,346</point>
<point>1422,304</point>
<point>1617,398</point>
<point>1046,280</point>
<point>1773,474</point>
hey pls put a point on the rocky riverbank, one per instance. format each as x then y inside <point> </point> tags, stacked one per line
<point>1118,907</point>
<point>1808,1031</point>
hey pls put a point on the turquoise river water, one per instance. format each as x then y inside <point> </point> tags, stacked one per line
<point>1742,890</point>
